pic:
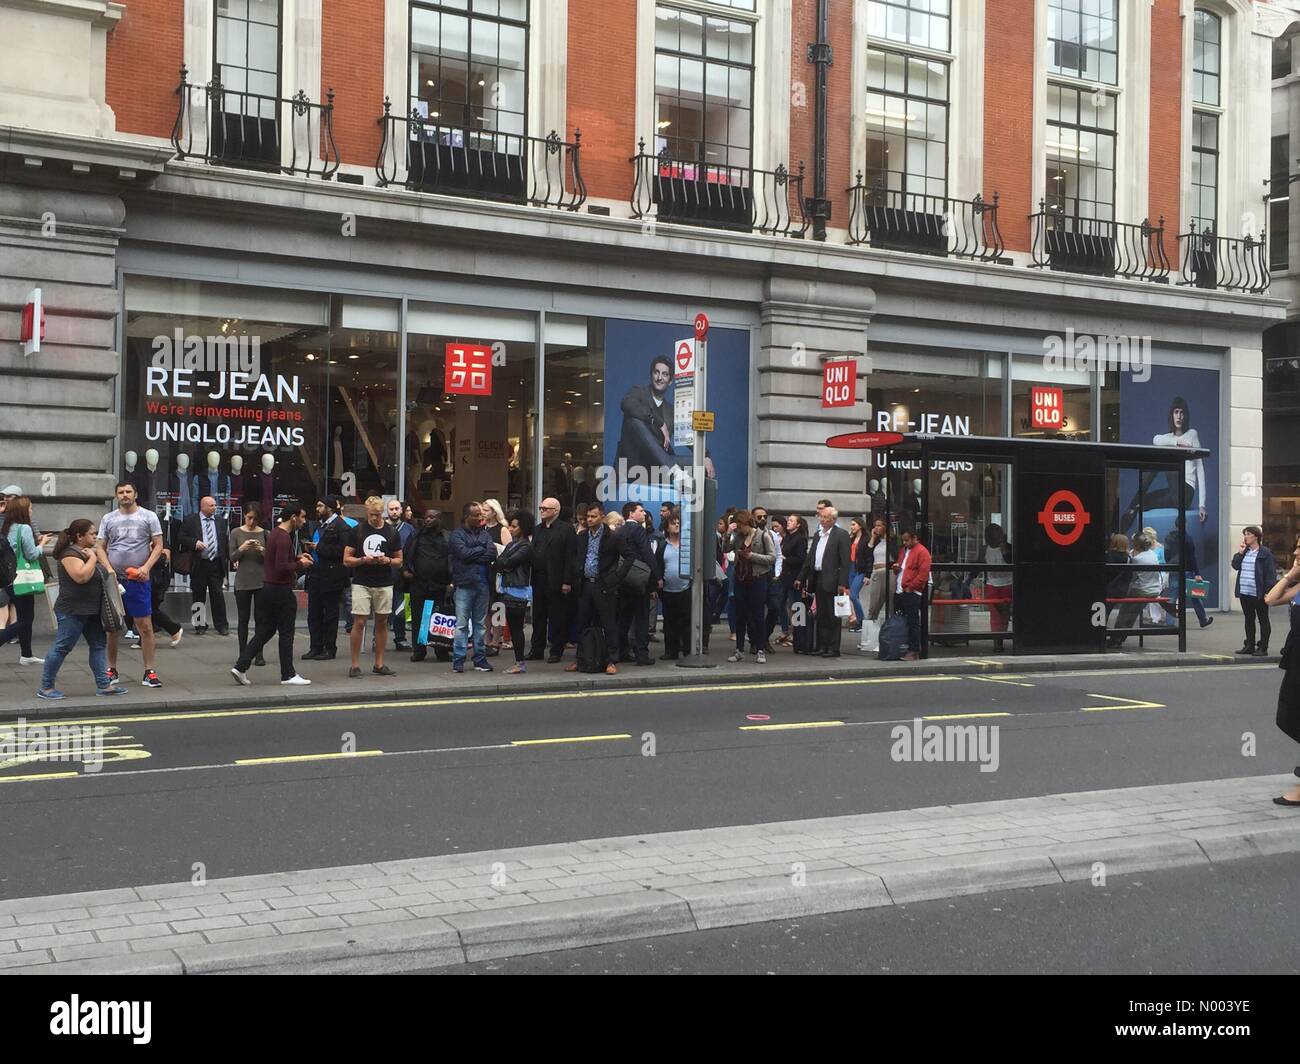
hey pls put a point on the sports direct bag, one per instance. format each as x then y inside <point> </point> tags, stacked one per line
<point>893,638</point>
<point>591,650</point>
<point>1198,588</point>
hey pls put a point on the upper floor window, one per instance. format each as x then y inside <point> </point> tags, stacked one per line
<point>704,84</point>
<point>924,23</point>
<point>1282,57</point>
<point>1083,39</point>
<point>1207,32</point>
<point>1080,153</point>
<point>245,127</point>
<point>469,67</point>
<point>907,124</point>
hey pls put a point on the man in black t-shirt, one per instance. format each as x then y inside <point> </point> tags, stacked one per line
<point>373,556</point>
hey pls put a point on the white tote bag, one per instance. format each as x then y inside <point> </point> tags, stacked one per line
<point>843,608</point>
<point>870,642</point>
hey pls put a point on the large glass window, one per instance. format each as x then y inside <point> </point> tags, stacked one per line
<point>1282,57</point>
<point>1279,204</point>
<point>1080,152</point>
<point>247,51</point>
<point>469,69</point>
<point>1205,170</point>
<point>1030,380</point>
<point>704,85</point>
<point>1206,53</point>
<point>1083,39</point>
<point>907,124</point>
<point>920,22</point>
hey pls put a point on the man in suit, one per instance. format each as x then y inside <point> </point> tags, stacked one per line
<point>206,536</point>
<point>327,578</point>
<point>826,573</point>
<point>598,564</point>
<point>554,542</point>
<point>633,604</point>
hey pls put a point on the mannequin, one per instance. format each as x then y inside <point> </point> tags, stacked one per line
<point>131,458</point>
<point>264,489</point>
<point>186,486</point>
<point>877,499</point>
<point>146,479</point>
<point>215,483</point>
<point>237,477</point>
<point>913,505</point>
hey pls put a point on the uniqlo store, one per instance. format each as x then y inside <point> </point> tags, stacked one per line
<point>249,393</point>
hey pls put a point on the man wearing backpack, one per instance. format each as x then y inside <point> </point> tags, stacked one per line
<point>597,567</point>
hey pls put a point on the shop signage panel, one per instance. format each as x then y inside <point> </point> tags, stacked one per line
<point>469,369</point>
<point>1046,408</point>
<point>683,392</point>
<point>839,384</point>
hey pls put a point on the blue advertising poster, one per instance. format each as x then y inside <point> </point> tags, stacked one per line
<point>639,450</point>
<point>1176,407</point>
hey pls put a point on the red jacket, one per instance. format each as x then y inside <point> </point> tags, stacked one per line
<point>917,573</point>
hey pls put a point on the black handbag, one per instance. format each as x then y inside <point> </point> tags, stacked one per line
<point>112,613</point>
<point>638,576</point>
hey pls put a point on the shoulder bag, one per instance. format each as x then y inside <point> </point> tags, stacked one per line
<point>112,614</point>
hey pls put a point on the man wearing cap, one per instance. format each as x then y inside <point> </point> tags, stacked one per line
<point>326,579</point>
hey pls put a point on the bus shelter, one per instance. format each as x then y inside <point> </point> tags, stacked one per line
<point>1034,540</point>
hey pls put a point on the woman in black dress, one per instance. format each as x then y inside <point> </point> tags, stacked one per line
<point>1288,698</point>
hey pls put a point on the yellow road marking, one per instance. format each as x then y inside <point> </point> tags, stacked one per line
<point>1217,657</point>
<point>790,727</point>
<point>1001,679</point>
<point>468,696</point>
<point>305,757</point>
<point>965,716</point>
<point>987,663</point>
<point>41,776</point>
<point>569,739</point>
<point>1129,703</point>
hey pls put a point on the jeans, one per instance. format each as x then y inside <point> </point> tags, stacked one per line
<point>751,614</point>
<point>471,607</point>
<point>856,580</point>
<point>21,629</point>
<point>246,604</point>
<point>912,602</point>
<point>1176,586</point>
<point>776,598</point>
<point>72,628</point>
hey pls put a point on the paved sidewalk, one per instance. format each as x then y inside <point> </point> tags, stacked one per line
<point>438,911</point>
<point>196,674</point>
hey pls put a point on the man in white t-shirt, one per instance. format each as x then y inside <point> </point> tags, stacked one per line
<point>130,544</point>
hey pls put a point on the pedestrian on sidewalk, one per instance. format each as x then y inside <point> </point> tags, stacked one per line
<point>554,596</point>
<point>825,573</point>
<point>633,598</point>
<point>277,605</point>
<point>775,614</point>
<point>1284,592</point>
<point>327,579</point>
<point>373,555</point>
<point>427,565</point>
<point>794,549</point>
<point>754,555</point>
<point>405,533</point>
<point>1256,573</point>
<point>676,593</point>
<point>130,543</point>
<point>598,564</point>
<point>17,529</point>
<point>913,569</point>
<point>859,569</point>
<point>514,578</point>
<point>472,554</point>
<point>1175,554</point>
<point>247,550</point>
<point>77,610</point>
<point>160,581</point>
<point>205,535</point>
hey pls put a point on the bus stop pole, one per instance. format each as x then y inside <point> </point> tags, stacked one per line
<point>701,534</point>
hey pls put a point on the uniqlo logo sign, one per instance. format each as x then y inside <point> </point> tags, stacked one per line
<point>469,370</point>
<point>839,384</point>
<point>1046,408</point>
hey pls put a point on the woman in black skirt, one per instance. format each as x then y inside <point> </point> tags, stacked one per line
<point>1288,698</point>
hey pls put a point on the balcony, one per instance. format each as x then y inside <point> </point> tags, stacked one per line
<point>251,131</point>
<point>1098,247</point>
<point>426,156</point>
<point>738,198</point>
<point>1227,263</point>
<point>924,225</point>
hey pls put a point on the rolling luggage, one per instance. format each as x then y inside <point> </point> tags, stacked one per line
<point>893,638</point>
<point>804,636</point>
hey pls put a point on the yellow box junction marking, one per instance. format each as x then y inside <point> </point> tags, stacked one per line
<point>1128,703</point>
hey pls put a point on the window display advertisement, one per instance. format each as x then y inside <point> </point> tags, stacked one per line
<point>1176,407</point>
<point>642,461</point>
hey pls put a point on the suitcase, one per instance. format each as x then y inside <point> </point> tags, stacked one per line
<point>804,636</point>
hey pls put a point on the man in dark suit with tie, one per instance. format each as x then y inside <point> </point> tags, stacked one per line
<point>634,604</point>
<point>826,573</point>
<point>597,565</point>
<point>554,588</point>
<point>206,535</point>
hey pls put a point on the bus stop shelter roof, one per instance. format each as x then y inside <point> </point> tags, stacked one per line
<point>1007,447</point>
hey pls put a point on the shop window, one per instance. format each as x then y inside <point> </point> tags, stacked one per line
<point>574,441</point>
<point>1053,400</point>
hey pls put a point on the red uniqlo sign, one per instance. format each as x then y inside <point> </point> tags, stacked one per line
<point>839,384</point>
<point>469,370</point>
<point>1046,408</point>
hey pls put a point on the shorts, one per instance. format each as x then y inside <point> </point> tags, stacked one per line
<point>138,598</point>
<point>367,600</point>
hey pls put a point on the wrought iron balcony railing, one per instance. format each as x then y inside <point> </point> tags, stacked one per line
<point>225,127</point>
<point>1230,263</point>
<point>1099,247</point>
<point>927,225</point>
<point>720,197</point>
<point>427,156</point>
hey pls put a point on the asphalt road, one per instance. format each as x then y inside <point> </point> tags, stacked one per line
<point>1232,918</point>
<point>442,776</point>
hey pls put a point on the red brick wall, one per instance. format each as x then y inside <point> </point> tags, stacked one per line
<point>840,169</point>
<point>1009,115</point>
<point>144,66</point>
<point>1165,180</point>
<point>352,64</point>
<point>602,93</point>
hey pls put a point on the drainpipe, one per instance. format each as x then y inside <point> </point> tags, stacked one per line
<point>820,55</point>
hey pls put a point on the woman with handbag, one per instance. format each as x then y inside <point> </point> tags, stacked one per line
<point>1284,592</point>
<point>514,582</point>
<point>859,569</point>
<point>79,610</point>
<point>1174,553</point>
<point>29,582</point>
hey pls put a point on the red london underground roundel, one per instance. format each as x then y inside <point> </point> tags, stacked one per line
<point>1063,517</point>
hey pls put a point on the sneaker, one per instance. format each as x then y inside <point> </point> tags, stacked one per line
<point>176,639</point>
<point>296,681</point>
<point>354,672</point>
<point>131,635</point>
<point>114,689</point>
<point>51,695</point>
<point>1208,621</point>
<point>241,677</point>
<point>112,676</point>
<point>402,644</point>
<point>611,669</point>
<point>516,669</point>
<point>737,656</point>
<point>457,666</point>
<point>259,660</point>
<point>383,670</point>
<point>482,665</point>
<point>30,661</point>
<point>151,679</point>
<point>760,658</point>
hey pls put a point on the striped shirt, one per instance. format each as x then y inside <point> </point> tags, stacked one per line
<point>1247,588</point>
